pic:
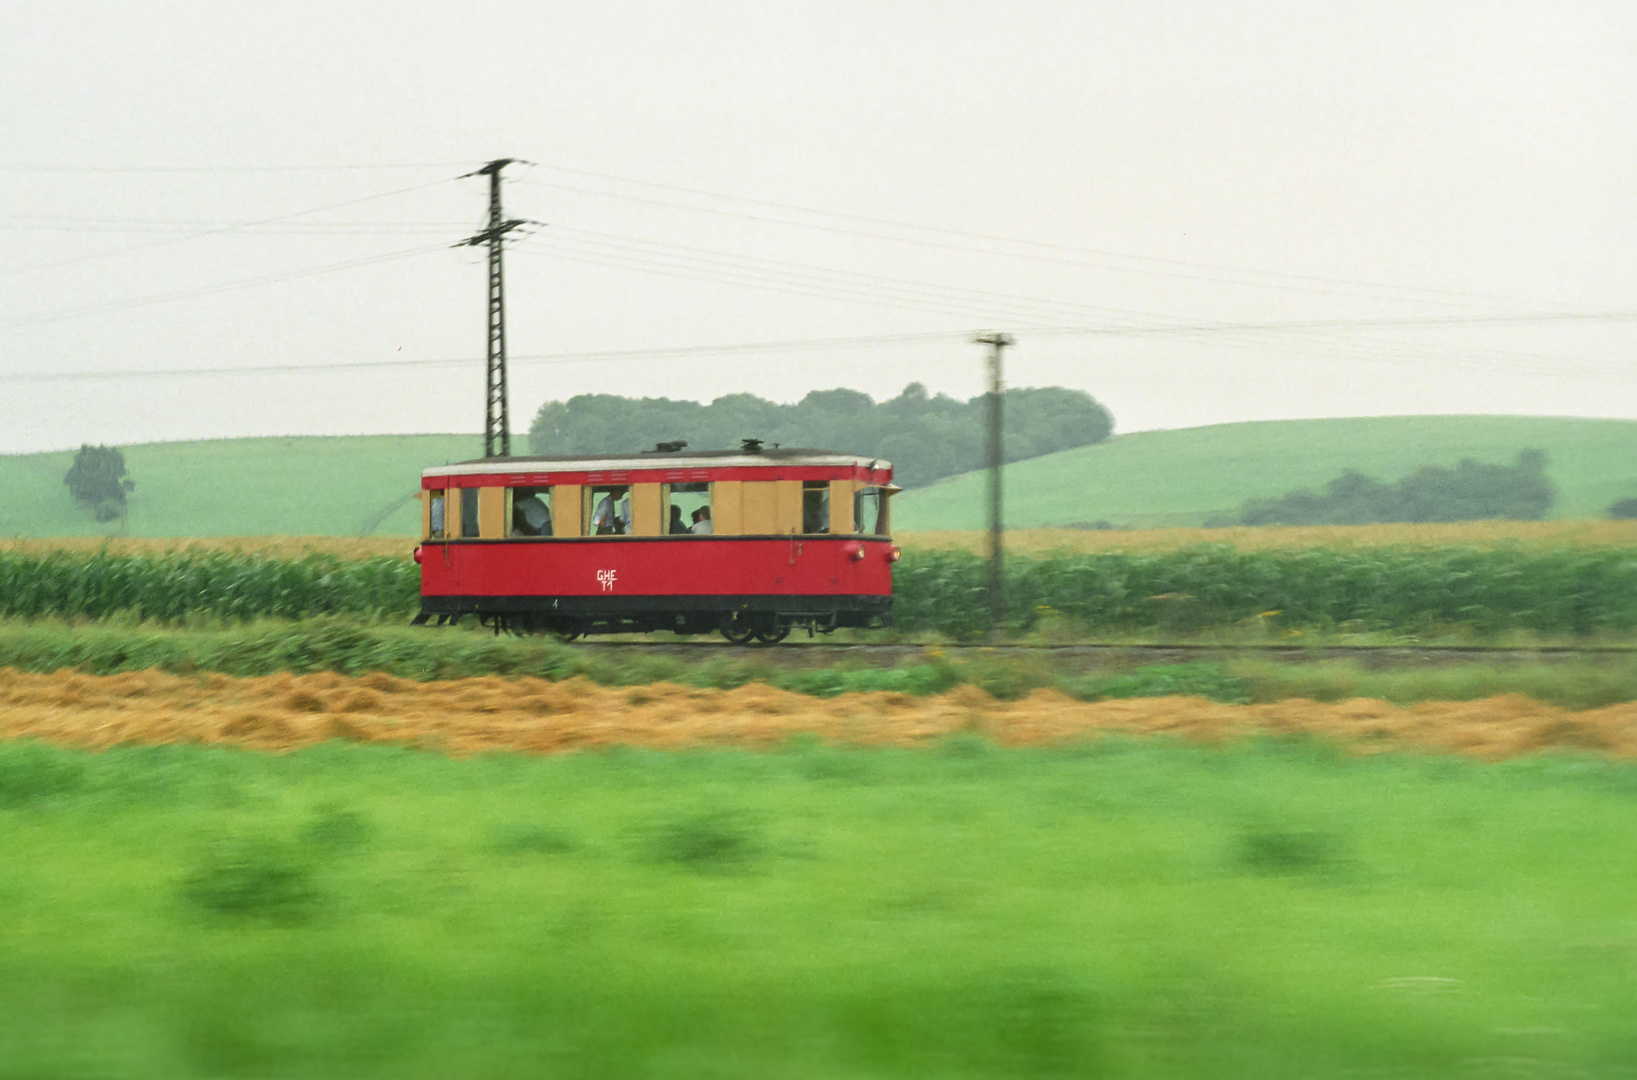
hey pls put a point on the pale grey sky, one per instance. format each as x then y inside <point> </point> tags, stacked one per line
<point>723,174</point>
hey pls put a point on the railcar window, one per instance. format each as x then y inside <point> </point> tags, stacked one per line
<point>869,516</point>
<point>530,511</point>
<point>610,511</point>
<point>688,509</point>
<point>468,512</point>
<point>815,506</point>
<point>434,515</point>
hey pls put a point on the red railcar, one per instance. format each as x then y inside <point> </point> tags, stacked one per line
<point>749,542</point>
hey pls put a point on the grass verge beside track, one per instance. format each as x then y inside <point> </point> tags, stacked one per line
<point>342,647</point>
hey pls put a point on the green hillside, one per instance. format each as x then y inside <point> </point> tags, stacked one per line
<point>338,486</point>
<point>343,486</point>
<point>1183,477</point>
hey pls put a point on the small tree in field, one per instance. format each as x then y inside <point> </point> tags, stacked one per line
<point>97,479</point>
<point>1625,508</point>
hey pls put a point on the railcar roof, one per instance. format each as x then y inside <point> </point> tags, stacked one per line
<point>697,460</point>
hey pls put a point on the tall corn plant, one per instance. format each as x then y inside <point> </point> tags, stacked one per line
<point>174,585</point>
<point>1555,591</point>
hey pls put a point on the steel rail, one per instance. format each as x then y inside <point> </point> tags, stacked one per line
<point>804,652</point>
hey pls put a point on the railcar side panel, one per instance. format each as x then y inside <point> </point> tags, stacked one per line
<point>662,566</point>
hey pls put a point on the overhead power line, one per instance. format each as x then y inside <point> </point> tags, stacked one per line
<point>233,227</point>
<point>368,166</point>
<point>870,285</point>
<point>1183,268</point>
<point>772,346</point>
<point>973,306</point>
<point>48,223</point>
<point>898,299</point>
<point>212,290</point>
<point>613,355</point>
<point>1324,324</point>
<point>1046,316</point>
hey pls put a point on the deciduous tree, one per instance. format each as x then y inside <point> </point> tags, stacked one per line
<point>97,479</point>
<point>926,436</point>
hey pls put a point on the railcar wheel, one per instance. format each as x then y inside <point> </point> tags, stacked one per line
<point>571,630</point>
<point>738,631</point>
<point>774,636</point>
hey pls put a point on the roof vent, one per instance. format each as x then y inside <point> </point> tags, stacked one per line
<point>667,447</point>
<point>751,446</point>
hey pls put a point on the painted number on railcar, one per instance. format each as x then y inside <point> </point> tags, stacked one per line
<point>606,579</point>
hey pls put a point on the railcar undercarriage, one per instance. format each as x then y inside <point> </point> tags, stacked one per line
<point>740,623</point>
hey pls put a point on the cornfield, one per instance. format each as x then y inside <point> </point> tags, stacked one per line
<point>176,584</point>
<point>1560,591</point>
<point>278,547</point>
<point>1549,534</point>
<point>1576,591</point>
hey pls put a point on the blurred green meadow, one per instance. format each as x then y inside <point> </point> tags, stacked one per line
<point>1124,908</point>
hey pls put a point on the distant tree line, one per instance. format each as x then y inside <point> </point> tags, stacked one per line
<point>97,480</point>
<point>926,437</point>
<point>1472,491</point>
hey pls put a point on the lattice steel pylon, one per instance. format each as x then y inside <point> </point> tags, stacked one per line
<point>497,431</point>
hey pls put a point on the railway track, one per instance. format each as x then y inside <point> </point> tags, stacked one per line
<point>1091,656</point>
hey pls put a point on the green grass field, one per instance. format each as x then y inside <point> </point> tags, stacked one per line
<point>329,486</point>
<point>341,486</point>
<point>1130,908</point>
<point>1181,478</point>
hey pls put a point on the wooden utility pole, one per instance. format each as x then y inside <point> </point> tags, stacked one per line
<point>497,429</point>
<point>997,589</point>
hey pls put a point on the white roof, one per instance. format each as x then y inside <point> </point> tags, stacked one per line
<point>667,462</point>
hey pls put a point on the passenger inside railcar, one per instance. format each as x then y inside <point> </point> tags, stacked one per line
<point>613,514</point>
<point>531,512</point>
<point>702,521</point>
<point>686,500</point>
<point>677,526</point>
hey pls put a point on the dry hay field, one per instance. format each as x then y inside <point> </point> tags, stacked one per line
<point>479,715</point>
